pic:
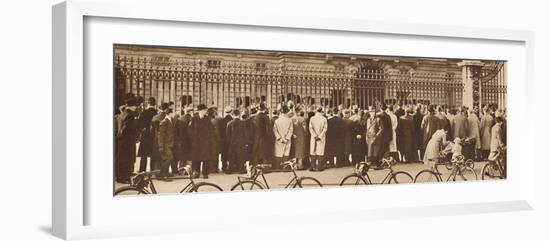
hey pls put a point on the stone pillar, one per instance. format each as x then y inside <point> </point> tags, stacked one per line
<point>472,87</point>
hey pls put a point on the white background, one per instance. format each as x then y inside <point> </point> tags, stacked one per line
<point>26,121</point>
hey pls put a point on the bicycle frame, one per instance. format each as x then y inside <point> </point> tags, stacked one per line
<point>387,178</point>
<point>456,170</point>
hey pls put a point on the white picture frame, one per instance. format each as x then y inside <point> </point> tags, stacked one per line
<point>70,110</point>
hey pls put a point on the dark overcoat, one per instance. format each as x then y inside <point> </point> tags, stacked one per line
<point>144,124</point>
<point>348,137</point>
<point>358,147</point>
<point>430,124</point>
<point>155,154</point>
<point>182,150</point>
<point>166,138</point>
<point>126,137</point>
<point>237,136</point>
<point>300,137</point>
<point>406,135</point>
<point>202,138</point>
<point>419,137</point>
<point>335,137</point>
<point>264,140</point>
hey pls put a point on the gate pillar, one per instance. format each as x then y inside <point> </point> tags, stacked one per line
<point>472,86</point>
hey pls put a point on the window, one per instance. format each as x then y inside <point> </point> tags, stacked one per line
<point>261,67</point>
<point>214,64</point>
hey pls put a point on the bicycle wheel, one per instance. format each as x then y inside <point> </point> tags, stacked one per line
<point>206,187</point>
<point>426,176</point>
<point>401,177</point>
<point>307,182</point>
<point>491,172</point>
<point>247,185</point>
<point>130,191</point>
<point>353,179</point>
<point>468,174</point>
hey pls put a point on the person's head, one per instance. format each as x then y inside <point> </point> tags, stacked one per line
<point>188,110</point>
<point>330,112</point>
<point>244,113</point>
<point>151,101</point>
<point>227,110</point>
<point>170,112</point>
<point>212,112</point>
<point>235,113</point>
<point>499,119</point>
<point>164,106</point>
<point>262,107</point>
<point>319,110</point>
<point>431,109</point>
<point>285,109</point>
<point>201,108</point>
<point>372,111</point>
<point>290,104</point>
<point>457,140</point>
<point>131,104</point>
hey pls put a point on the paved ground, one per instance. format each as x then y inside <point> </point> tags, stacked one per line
<point>329,178</point>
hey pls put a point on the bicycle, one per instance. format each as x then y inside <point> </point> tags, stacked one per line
<point>458,167</point>
<point>361,175</point>
<point>142,183</point>
<point>251,182</point>
<point>495,169</point>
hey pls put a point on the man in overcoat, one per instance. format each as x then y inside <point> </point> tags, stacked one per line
<point>334,148</point>
<point>156,160</point>
<point>358,146</point>
<point>264,140</point>
<point>125,141</point>
<point>318,126</point>
<point>348,136</point>
<point>282,129</point>
<point>430,124</point>
<point>459,125</point>
<point>407,137</point>
<point>166,140</point>
<point>236,134</point>
<point>487,122</point>
<point>222,125</point>
<point>202,141</point>
<point>182,150</point>
<point>147,136</point>
<point>375,137</point>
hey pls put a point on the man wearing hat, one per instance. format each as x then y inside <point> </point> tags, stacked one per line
<point>318,128</point>
<point>155,123</point>
<point>222,126</point>
<point>282,130</point>
<point>166,139</point>
<point>182,152</point>
<point>263,136</point>
<point>125,140</point>
<point>236,134</point>
<point>201,145</point>
<point>374,137</point>
<point>146,141</point>
<point>407,137</point>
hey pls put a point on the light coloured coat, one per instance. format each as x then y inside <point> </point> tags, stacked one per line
<point>318,128</point>
<point>485,129</point>
<point>283,129</point>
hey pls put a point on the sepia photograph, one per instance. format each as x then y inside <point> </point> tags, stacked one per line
<point>191,119</point>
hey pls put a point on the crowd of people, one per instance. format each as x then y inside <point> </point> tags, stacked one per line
<point>317,137</point>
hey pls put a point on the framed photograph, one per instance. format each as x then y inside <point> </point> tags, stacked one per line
<point>231,119</point>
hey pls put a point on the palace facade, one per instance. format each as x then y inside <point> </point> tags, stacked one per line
<point>220,77</point>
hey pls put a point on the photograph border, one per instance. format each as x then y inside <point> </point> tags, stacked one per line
<point>68,101</point>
